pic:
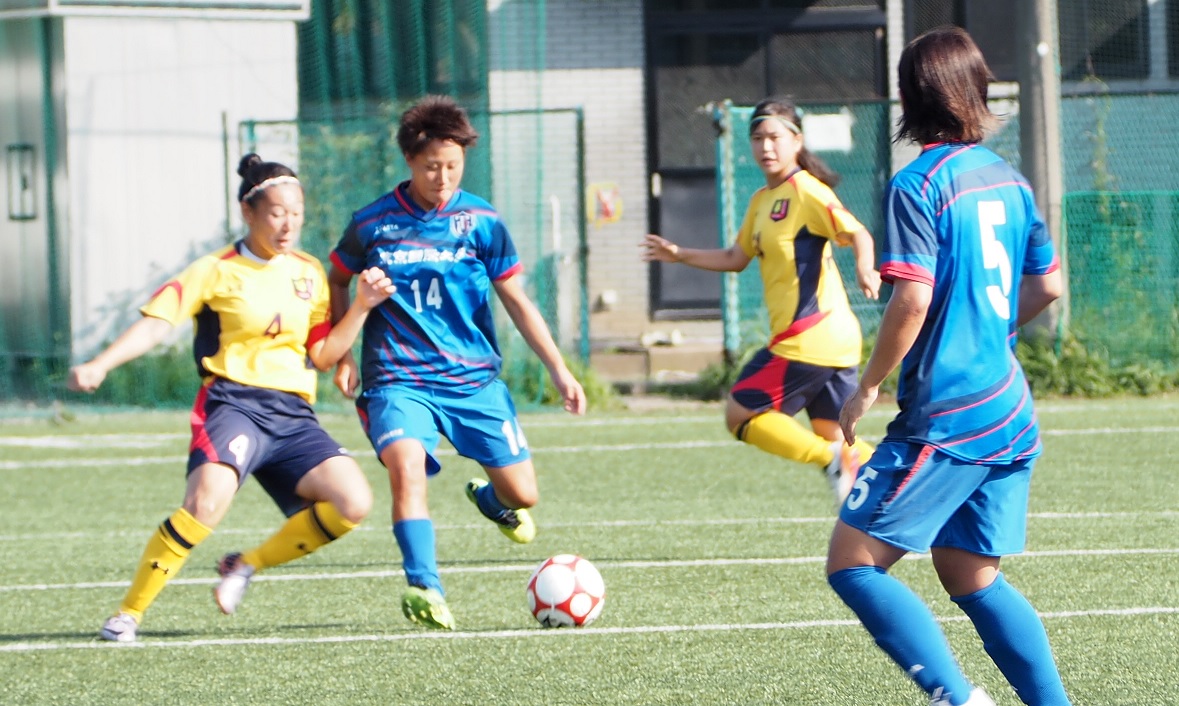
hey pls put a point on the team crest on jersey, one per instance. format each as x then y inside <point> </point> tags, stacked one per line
<point>303,287</point>
<point>778,212</point>
<point>461,223</point>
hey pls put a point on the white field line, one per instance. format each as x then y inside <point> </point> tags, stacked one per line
<point>715,522</point>
<point>532,632</point>
<point>591,448</point>
<point>528,568</point>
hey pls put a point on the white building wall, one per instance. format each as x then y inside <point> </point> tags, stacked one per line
<point>595,59</point>
<point>147,172</point>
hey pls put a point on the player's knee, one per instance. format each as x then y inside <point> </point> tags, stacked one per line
<point>356,504</point>
<point>736,419</point>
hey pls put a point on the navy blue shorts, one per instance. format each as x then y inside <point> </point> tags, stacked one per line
<point>269,434</point>
<point>770,381</point>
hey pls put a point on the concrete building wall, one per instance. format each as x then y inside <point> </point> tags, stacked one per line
<point>145,100</point>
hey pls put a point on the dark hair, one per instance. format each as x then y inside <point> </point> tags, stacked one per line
<point>943,81</point>
<point>785,108</point>
<point>254,171</point>
<point>434,118</point>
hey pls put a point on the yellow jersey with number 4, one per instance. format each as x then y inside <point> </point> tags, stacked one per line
<point>253,321</point>
<point>790,229</point>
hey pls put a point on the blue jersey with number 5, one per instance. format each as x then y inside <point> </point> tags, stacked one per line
<point>438,328</point>
<point>962,220</point>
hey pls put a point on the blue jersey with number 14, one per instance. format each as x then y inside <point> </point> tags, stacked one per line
<point>962,220</point>
<point>438,328</point>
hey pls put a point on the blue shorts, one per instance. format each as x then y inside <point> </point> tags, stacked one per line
<point>482,425</point>
<point>770,381</point>
<point>271,435</point>
<point>915,497</point>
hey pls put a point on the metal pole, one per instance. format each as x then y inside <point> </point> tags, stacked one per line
<point>1038,66</point>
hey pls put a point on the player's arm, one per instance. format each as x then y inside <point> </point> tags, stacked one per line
<point>535,331</point>
<point>731,259</point>
<point>1036,292</point>
<point>346,379</point>
<point>899,327</point>
<point>373,288</point>
<point>864,249</point>
<point>139,338</point>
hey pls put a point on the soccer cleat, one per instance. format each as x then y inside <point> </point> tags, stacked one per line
<point>426,607</point>
<point>841,472</point>
<point>978,697</point>
<point>235,579</point>
<point>120,627</point>
<point>516,524</point>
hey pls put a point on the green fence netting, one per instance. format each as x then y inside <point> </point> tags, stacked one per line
<point>1120,237</point>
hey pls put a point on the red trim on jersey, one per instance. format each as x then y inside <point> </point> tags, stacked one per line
<point>169,285</point>
<point>903,270</point>
<point>340,264</point>
<point>929,175</point>
<point>232,252</point>
<point>799,325</point>
<point>511,271</point>
<point>960,194</point>
<point>200,438</point>
<point>926,452</point>
<point>993,395</point>
<point>318,333</point>
<point>1018,408</point>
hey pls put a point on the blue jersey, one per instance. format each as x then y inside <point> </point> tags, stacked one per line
<point>438,328</point>
<point>962,220</point>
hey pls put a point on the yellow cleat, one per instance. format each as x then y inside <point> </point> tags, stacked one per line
<point>517,524</point>
<point>426,607</point>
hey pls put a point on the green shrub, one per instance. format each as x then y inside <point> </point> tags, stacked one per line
<point>529,382</point>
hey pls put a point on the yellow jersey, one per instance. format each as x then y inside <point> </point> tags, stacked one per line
<point>253,320</point>
<point>790,229</point>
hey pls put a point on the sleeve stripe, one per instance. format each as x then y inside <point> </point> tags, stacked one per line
<point>318,333</point>
<point>903,270</point>
<point>511,271</point>
<point>335,258</point>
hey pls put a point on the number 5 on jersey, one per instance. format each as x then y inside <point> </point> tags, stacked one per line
<point>991,214</point>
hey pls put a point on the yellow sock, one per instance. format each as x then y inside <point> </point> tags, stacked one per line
<point>165,553</point>
<point>305,531</point>
<point>781,435</point>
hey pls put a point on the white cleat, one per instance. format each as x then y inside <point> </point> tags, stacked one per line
<point>121,627</point>
<point>235,579</point>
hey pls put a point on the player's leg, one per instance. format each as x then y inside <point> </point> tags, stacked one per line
<point>207,498</point>
<point>222,441</point>
<point>967,561</point>
<point>323,493</point>
<point>760,411</point>
<point>483,427</point>
<point>900,502</point>
<point>823,410</point>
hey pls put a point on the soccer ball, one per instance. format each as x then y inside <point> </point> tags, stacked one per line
<point>566,591</point>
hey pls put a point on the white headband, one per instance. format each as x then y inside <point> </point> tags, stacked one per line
<point>265,183</point>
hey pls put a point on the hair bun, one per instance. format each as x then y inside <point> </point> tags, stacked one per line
<point>247,162</point>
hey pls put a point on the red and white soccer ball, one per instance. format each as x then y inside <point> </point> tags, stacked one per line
<point>566,591</point>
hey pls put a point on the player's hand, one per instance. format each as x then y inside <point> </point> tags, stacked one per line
<point>347,378</point>
<point>868,281</point>
<point>571,391</point>
<point>373,287</point>
<point>854,410</point>
<point>657,249</point>
<point>86,377</point>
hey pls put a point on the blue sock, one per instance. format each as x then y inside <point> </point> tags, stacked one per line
<point>1015,639</point>
<point>904,628</point>
<point>488,503</point>
<point>416,540</point>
